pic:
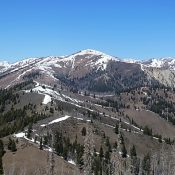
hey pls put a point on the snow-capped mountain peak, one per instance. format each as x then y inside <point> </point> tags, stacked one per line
<point>94,58</point>
<point>168,62</point>
<point>4,64</point>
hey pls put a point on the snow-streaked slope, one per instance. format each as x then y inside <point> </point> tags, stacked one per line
<point>48,65</point>
<point>167,63</point>
<point>50,94</point>
<point>77,65</point>
<point>101,61</point>
<point>25,62</point>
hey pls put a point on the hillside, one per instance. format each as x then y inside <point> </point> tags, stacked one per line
<point>61,111</point>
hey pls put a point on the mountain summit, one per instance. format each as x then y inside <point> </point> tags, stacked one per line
<point>90,69</point>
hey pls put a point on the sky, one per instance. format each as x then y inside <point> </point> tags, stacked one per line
<point>137,29</point>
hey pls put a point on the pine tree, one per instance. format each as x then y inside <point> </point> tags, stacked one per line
<point>1,166</point>
<point>116,129</point>
<point>101,154</point>
<point>13,146</point>
<point>124,151</point>
<point>133,152</point>
<point>9,144</point>
<point>146,164</point>
<point>41,143</point>
<point>83,131</point>
<point>29,131</point>
<point>134,161</point>
<point>1,148</point>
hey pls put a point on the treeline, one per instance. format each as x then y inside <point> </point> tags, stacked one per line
<point>7,97</point>
<point>15,120</point>
<point>10,96</point>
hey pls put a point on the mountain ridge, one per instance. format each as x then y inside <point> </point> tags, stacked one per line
<point>93,66</point>
<point>156,62</point>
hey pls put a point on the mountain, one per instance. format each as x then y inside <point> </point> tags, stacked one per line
<point>90,70</point>
<point>163,63</point>
<point>162,70</point>
<point>4,65</point>
<point>55,109</point>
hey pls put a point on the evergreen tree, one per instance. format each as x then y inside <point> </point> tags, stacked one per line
<point>65,153</point>
<point>146,164</point>
<point>83,131</point>
<point>160,139</point>
<point>29,131</point>
<point>116,129</point>
<point>9,144</point>
<point>1,166</point>
<point>133,152</point>
<point>147,131</point>
<point>124,151</point>
<point>13,146</point>
<point>115,145</point>
<point>41,143</point>
<point>101,154</point>
<point>134,161</point>
<point>1,148</point>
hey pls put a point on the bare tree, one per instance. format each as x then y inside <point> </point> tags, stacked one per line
<point>50,154</point>
<point>88,151</point>
<point>163,162</point>
<point>116,163</point>
<point>23,170</point>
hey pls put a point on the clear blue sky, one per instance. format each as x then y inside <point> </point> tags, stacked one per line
<point>124,28</point>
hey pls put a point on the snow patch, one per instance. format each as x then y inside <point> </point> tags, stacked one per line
<point>56,120</point>
<point>20,135</point>
<point>71,162</point>
<point>47,99</point>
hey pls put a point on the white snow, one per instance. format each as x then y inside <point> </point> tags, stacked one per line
<point>19,135</point>
<point>46,91</point>
<point>130,61</point>
<point>156,63</point>
<point>56,120</point>
<point>71,162</point>
<point>47,99</point>
<point>25,62</point>
<point>4,64</point>
<point>71,99</point>
<point>59,119</point>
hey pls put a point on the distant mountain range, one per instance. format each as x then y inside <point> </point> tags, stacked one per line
<point>91,70</point>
